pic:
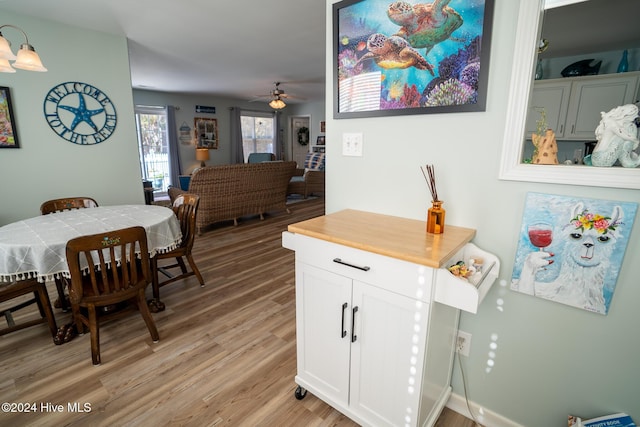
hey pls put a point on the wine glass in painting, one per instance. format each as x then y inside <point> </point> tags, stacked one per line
<point>540,235</point>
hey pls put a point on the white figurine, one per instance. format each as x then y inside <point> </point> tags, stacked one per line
<point>617,136</point>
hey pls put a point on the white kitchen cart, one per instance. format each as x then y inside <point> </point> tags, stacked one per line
<point>377,313</point>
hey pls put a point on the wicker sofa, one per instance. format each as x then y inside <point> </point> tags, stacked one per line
<point>229,192</point>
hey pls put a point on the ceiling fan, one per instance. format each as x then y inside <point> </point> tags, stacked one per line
<point>277,97</point>
<point>277,94</point>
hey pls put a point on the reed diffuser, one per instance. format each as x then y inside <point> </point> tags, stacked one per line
<point>435,214</point>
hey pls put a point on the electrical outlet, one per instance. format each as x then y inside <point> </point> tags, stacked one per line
<point>463,343</point>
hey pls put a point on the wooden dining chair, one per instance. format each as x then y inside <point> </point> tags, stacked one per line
<point>12,290</point>
<point>67,203</point>
<point>58,205</point>
<point>186,208</point>
<point>97,281</point>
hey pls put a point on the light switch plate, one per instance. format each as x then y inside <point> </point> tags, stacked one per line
<point>352,144</point>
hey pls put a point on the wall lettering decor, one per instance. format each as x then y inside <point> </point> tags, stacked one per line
<point>80,113</point>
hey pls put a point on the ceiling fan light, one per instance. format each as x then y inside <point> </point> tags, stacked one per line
<point>5,49</point>
<point>277,104</point>
<point>28,59</point>
<point>5,67</point>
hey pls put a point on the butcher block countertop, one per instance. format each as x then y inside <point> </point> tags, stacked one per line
<point>400,238</point>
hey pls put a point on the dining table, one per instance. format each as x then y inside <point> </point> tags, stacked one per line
<point>35,248</point>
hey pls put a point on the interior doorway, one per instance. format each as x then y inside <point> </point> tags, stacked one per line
<point>299,151</point>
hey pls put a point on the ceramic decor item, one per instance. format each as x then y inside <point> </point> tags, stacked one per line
<point>581,68</point>
<point>539,71</point>
<point>546,148</point>
<point>617,136</point>
<point>623,66</point>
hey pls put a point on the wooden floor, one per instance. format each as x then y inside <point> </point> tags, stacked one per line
<point>226,354</point>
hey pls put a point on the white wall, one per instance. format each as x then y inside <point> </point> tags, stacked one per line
<point>551,360</point>
<point>47,166</point>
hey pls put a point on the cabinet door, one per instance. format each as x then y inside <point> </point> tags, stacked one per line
<point>387,355</point>
<point>553,97</point>
<point>590,97</point>
<point>323,339</point>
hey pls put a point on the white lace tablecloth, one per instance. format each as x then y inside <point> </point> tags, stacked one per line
<point>36,247</point>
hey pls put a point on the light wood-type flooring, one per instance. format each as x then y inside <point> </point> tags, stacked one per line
<point>226,354</point>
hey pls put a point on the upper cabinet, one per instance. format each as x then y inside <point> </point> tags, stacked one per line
<point>552,98</point>
<point>573,105</point>
<point>591,96</point>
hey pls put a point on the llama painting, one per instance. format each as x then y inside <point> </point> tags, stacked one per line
<point>570,249</point>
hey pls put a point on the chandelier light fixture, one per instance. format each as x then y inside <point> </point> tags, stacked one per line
<point>27,58</point>
<point>277,103</point>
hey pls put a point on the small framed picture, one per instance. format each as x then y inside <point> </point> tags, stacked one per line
<point>206,132</point>
<point>320,140</point>
<point>8,131</point>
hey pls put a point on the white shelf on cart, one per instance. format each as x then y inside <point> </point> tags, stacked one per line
<point>461,293</point>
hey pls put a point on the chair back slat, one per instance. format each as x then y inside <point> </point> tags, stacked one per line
<point>116,262</point>
<point>67,203</point>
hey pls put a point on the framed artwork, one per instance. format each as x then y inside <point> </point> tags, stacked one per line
<point>206,132</point>
<point>570,249</point>
<point>320,140</point>
<point>8,130</point>
<point>322,126</point>
<point>393,58</point>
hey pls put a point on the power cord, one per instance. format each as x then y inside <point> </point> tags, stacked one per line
<point>466,397</point>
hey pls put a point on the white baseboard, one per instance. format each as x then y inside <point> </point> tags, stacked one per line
<point>484,416</point>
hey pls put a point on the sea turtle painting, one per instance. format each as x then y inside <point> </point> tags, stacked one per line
<point>424,25</point>
<point>394,52</point>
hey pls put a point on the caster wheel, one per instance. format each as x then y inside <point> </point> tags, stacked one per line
<point>300,393</point>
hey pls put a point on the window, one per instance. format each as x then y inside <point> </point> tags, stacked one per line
<point>257,133</point>
<point>153,144</point>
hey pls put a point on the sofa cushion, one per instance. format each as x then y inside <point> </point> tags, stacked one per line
<point>314,161</point>
<point>260,157</point>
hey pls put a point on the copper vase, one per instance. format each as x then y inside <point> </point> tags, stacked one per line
<point>435,218</point>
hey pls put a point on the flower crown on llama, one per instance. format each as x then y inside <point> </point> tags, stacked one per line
<point>587,221</point>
